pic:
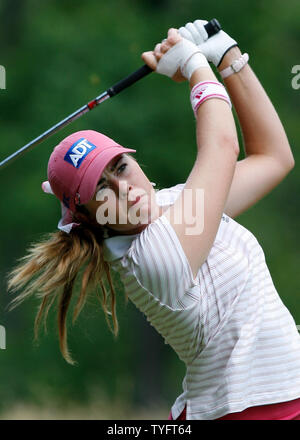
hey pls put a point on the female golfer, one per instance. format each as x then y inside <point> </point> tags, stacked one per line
<point>199,277</point>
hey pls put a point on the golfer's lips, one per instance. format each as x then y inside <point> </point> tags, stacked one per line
<point>137,199</point>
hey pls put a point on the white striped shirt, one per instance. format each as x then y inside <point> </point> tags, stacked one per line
<point>229,326</point>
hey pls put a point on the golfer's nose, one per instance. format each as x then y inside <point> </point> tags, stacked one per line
<point>122,188</point>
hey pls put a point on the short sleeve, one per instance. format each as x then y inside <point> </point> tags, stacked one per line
<point>168,196</point>
<point>160,265</point>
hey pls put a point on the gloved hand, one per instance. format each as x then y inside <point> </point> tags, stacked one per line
<point>215,47</point>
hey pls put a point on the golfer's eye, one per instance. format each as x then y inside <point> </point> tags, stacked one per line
<point>122,168</point>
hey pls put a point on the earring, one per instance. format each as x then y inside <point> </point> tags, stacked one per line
<point>153,184</point>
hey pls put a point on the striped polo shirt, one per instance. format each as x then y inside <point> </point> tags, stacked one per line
<point>239,343</point>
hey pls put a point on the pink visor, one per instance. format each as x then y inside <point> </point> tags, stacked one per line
<point>77,163</point>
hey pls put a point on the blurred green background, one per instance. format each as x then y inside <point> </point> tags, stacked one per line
<point>58,55</point>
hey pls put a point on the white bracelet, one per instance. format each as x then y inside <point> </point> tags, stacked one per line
<point>208,90</point>
<point>236,66</point>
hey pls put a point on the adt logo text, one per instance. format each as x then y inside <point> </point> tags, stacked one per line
<point>78,152</point>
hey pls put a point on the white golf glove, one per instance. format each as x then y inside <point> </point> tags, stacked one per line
<point>215,47</point>
<point>184,55</point>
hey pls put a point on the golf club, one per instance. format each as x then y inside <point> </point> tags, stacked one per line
<point>212,27</point>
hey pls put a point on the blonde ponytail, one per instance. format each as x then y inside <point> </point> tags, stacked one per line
<point>49,271</point>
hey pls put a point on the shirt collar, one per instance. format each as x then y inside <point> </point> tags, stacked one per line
<point>115,247</point>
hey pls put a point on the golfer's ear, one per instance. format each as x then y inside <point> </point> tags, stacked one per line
<point>82,214</point>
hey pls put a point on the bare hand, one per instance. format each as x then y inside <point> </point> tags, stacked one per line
<point>152,58</point>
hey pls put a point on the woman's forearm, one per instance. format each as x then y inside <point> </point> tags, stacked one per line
<point>215,122</point>
<point>261,127</point>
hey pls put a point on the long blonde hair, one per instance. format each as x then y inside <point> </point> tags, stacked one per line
<point>49,271</point>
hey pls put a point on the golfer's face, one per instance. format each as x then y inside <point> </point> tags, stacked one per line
<point>124,199</point>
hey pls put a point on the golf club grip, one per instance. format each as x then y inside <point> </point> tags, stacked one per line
<point>212,28</point>
<point>129,80</point>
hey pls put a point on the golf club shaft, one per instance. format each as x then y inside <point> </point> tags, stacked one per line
<point>72,117</point>
<point>212,27</point>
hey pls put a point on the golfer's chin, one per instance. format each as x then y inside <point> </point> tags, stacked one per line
<point>137,223</point>
<point>128,229</point>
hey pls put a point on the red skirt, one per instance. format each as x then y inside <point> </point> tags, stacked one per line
<point>276,411</point>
